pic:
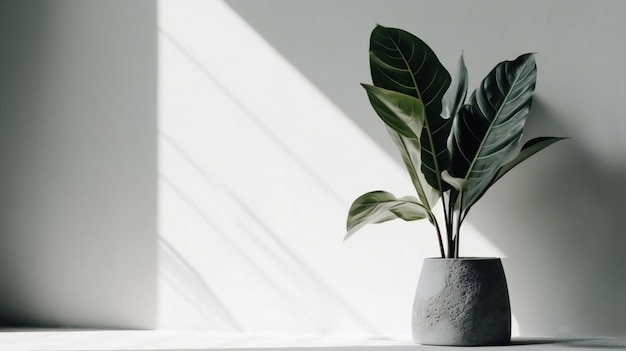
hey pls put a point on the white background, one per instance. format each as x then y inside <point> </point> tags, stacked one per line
<point>264,139</point>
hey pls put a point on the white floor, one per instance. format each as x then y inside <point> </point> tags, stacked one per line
<point>75,340</point>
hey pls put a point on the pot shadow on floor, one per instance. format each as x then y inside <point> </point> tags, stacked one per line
<point>586,344</point>
<point>556,344</point>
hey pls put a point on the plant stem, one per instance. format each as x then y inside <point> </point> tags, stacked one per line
<point>441,250</point>
<point>450,226</point>
<point>456,241</point>
<point>459,220</point>
<point>446,215</point>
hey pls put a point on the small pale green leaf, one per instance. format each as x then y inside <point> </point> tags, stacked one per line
<point>402,113</point>
<point>382,206</point>
<point>410,150</point>
<point>459,184</point>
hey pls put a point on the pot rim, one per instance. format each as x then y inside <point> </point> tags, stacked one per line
<point>463,258</point>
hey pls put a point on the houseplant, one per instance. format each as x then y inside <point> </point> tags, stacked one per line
<point>454,148</point>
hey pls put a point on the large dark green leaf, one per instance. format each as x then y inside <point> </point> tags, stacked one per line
<point>381,206</point>
<point>402,62</point>
<point>486,133</point>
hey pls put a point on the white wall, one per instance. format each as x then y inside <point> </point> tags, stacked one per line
<point>257,171</point>
<point>557,219</point>
<point>265,137</point>
<point>78,163</point>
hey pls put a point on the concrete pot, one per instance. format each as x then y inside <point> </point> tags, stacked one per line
<point>462,302</point>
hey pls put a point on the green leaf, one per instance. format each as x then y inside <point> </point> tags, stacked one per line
<point>403,113</point>
<point>531,147</point>
<point>410,150</point>
<point>404,116</point>
<point>381,206</point>
<point>459,184</point>
<point>486,133</point>
<point>455,96</point>
<point>401,62</point>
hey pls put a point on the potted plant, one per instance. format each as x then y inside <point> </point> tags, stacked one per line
<point>454,148</point>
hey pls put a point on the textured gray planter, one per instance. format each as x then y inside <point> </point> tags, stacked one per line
<point>462,301</point>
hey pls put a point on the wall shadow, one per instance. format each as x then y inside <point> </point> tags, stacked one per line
<point>557,220</point>
<point>78,101</point>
